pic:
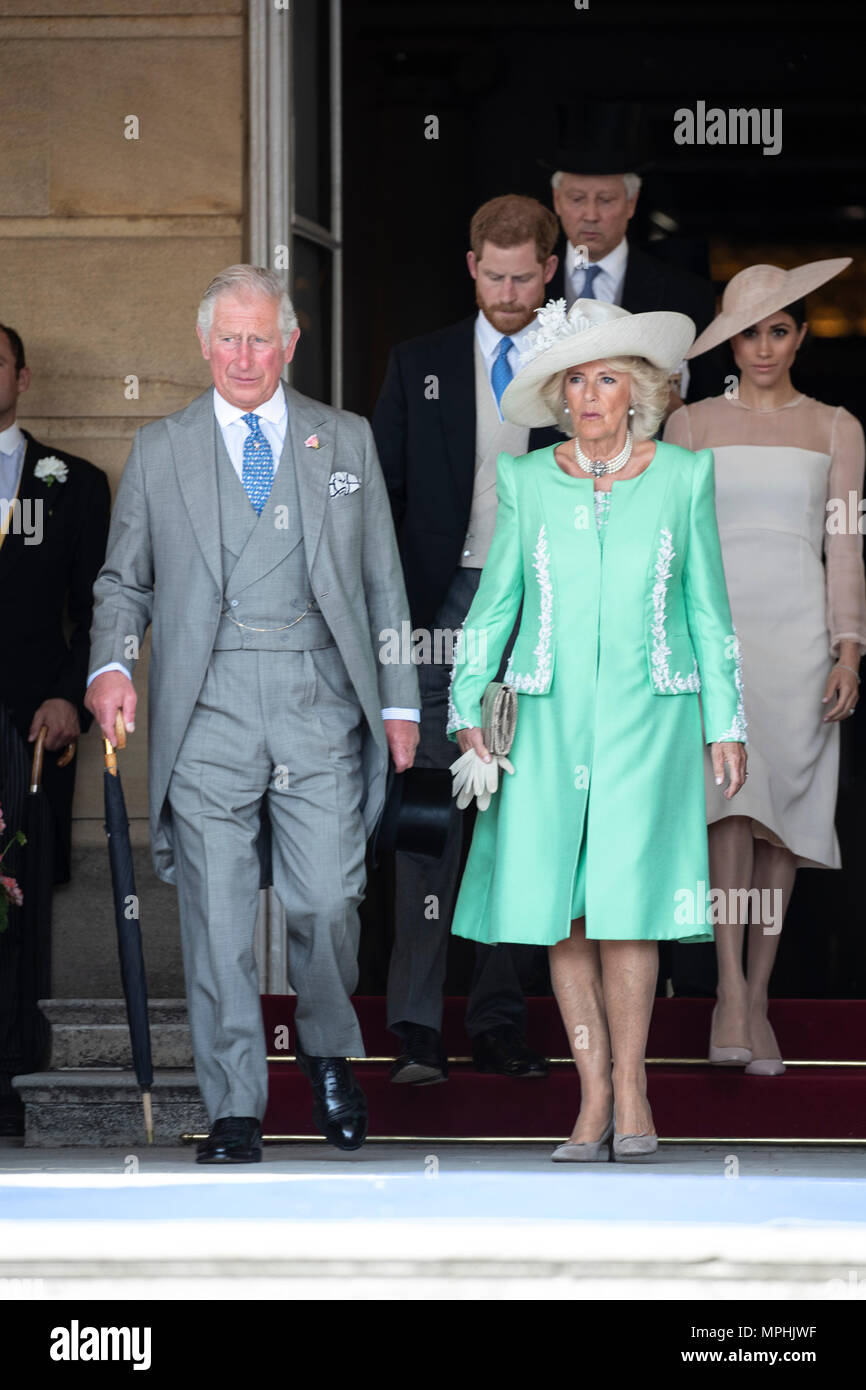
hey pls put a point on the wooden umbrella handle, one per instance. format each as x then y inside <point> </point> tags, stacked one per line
<point>110,753</point>
<point>68,754</point>
<point>38,757</point>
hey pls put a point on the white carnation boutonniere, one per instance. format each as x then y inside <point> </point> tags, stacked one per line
<point>51,470</point>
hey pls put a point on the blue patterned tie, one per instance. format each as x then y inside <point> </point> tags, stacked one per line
<point>258,473</point>
<point>502,373</point>
<point>589,276</point>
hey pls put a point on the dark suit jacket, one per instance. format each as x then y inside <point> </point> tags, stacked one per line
<point>39,584</point>
<point>650,284</point>
<point>427,451</point>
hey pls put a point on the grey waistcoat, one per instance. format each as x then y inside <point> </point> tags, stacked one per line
<point>266,583</point>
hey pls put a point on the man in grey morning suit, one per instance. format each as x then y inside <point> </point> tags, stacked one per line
<point>253,530</point>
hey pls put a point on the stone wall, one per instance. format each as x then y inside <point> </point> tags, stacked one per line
<point>106,243</point>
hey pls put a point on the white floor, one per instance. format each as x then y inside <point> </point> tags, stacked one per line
<point>408,1222</point>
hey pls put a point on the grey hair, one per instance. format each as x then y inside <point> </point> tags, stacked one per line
<point>246,280</point>
<point>632,182</point>
<point>650,390</point>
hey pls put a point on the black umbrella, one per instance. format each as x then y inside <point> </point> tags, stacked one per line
<point>126,921</point>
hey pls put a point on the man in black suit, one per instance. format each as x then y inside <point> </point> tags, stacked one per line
<point>595,194</point>
<point>438,432</point>
<point>54,512</point>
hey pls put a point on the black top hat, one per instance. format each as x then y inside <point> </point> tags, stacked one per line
<point>417,812</point>
<point>596,159</point>
<point>600,138</point>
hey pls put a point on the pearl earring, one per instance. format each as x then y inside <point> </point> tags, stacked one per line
<point>565,409</point>
<point>631,410</point>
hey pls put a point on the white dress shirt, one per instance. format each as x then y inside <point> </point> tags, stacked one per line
<point>489,339</point>
<point>273,422</point>
<point>607,286</point>
<point>13,447</point>
<point>608,283</point>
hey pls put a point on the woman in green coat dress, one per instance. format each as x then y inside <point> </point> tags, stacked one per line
<point>625,661</point>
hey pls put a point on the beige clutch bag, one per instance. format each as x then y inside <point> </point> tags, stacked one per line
<point>499,717</point>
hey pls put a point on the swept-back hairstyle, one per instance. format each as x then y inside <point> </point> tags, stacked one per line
<point>248,279</point>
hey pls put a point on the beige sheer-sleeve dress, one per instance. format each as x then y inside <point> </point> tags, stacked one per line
<point>788,487</point>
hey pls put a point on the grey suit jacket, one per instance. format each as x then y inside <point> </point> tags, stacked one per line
<point>163,566</point>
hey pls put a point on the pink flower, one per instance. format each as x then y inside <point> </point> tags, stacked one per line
<point>312,442</point>
<point>13,892</point>
<point>2,821</point>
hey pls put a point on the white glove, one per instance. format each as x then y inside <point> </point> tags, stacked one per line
<point>472,776</point>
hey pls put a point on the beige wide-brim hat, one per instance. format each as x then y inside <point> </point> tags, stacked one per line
<point>591,331</point>
<point>759,290</point>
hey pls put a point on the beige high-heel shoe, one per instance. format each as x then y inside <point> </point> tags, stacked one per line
<point>597,1151</point>
<point>727,1056</point>
<point>626,1146</point>
<point>766,1066</point>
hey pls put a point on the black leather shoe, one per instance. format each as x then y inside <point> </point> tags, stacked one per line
<point>234,1139</point>
<point>504,1050</point>
<point>339,1104</point>
<point>422,1061</point>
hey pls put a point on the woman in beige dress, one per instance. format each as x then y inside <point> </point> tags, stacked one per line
<point>789,478</point>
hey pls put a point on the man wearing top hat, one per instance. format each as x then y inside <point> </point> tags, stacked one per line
<point>595,193</point>
<point>596,180</point>
<point>439,450</point>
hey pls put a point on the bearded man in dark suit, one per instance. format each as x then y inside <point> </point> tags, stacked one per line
<point>439,430</point>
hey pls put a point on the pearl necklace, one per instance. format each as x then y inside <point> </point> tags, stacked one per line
<point>600,467</point>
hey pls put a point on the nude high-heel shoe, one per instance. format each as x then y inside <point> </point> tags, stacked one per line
<point>727,1056</point>
<point>627,1146</point>
<point>766,1066</point>
<point>598,1151</point>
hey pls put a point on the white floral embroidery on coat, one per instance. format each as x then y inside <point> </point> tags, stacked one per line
<point>537,683</point>
<point>737,732</point>
<point>455,718</point>
<point>662,679</point>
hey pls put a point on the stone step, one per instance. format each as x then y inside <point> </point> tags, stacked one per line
<point>91,1108</point>
<point>92,1033</point>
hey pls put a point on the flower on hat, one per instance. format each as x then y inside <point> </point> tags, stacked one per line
<point>555,324</point>
<point>51,469</point>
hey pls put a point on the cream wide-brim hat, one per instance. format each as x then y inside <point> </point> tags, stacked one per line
<point>590,332</point>
<point>759,290</point>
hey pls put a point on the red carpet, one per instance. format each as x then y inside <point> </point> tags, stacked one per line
<point>689,1101</point>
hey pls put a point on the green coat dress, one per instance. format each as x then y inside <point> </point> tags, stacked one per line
<point>625,661</point>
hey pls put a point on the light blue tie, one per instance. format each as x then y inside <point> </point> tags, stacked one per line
<point>589,277</point>
<point>258,471</point>
<point>502,373</point>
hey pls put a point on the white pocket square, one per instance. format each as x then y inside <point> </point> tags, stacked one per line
<point>339,484</point>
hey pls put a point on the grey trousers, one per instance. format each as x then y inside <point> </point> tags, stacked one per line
<point>286,726</point>
<point>425,886</point>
